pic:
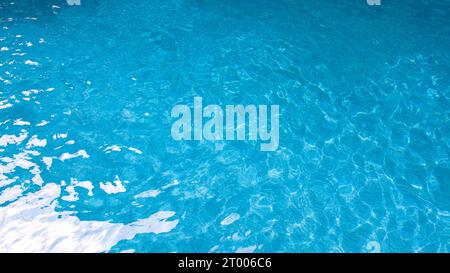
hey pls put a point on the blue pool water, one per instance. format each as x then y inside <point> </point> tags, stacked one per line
<point>87,161</point>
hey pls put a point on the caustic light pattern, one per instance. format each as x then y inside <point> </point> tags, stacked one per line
<point>88,162</point>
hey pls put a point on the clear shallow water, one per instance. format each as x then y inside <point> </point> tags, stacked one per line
<point>87,162</point>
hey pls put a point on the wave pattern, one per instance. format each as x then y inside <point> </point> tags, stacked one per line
<point>87,163</point>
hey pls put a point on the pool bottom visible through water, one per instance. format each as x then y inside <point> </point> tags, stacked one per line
<point>88,161</point>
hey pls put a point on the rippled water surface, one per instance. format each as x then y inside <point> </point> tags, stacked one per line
<point>87,162</point>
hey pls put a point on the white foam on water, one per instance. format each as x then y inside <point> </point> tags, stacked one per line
<point>42,123</point>
<point>114,187</point>
<point>10,194</point>
<point>31,224</point>
<point>20,122</point>
<point>4,180</point>
<point>230,219</point>
<point>248,249</point>
<point>373,247</point>
<point>135,150</point>
<point>6,140</point>
<point>48,161</point>
<point>71,189</point>
<point>4,104</point>
<point>112,148</point>
<point>147,194</point>
<point>30,62</point>
<point>80,153</point>
<point>36,142</point>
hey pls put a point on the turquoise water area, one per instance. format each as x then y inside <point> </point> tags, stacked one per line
<point>87,161</point>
